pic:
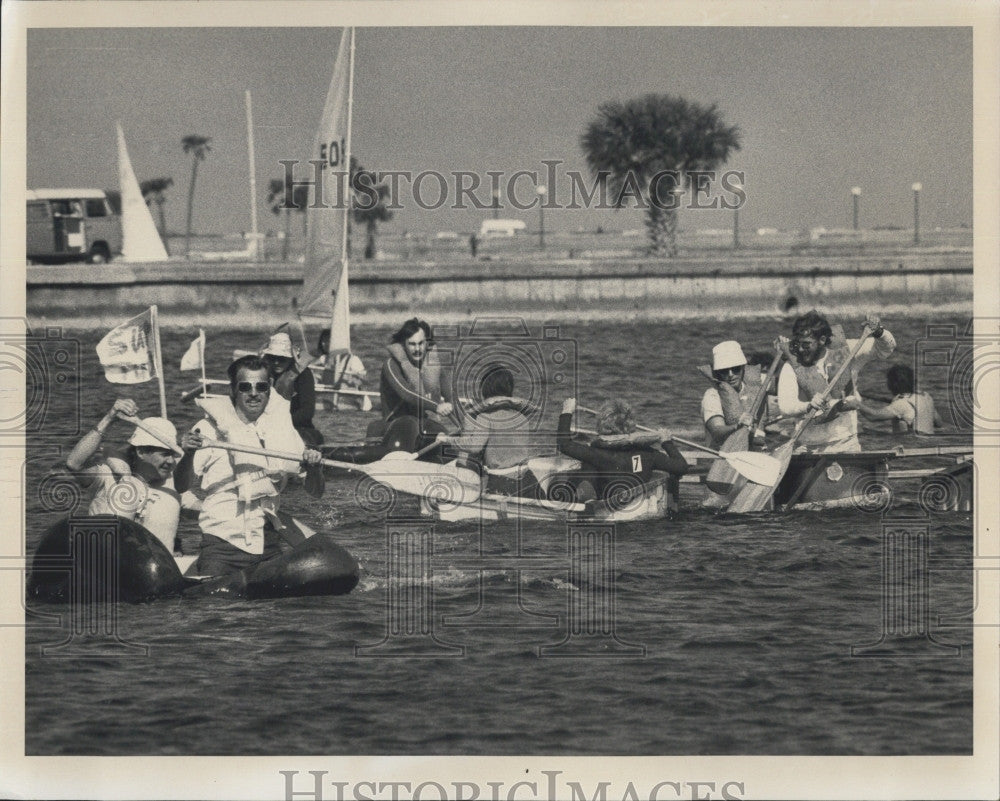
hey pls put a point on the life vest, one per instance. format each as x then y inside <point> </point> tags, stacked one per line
<point>424,380</point>
<point>158,509</point>
<point>735,403</point>
<point>923,414</point>
<point>501,404</point>
<point>625,442</point>
<point>813,381</point>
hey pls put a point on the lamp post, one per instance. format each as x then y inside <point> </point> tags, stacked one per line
<point>736,222</point>
<point>856,193</point>
<point>916,213</point>
<point>542,192</point>
<point>496,204</point>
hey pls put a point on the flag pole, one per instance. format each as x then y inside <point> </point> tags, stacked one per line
<point>158,359</point>
<point>201,349</point>
<point>348,200</point>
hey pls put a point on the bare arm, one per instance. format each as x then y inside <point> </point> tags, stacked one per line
<point>91,441</point>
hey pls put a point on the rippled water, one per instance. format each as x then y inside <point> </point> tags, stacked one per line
<point>731,635</point>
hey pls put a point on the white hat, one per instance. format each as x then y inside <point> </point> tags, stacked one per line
<point>727,354</point>
<point>280,344</point>
<point>161,426</point>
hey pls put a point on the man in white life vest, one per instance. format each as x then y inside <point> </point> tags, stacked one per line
<point>816,353</point>
<point>240,521</point>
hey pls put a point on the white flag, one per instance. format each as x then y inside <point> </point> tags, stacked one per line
<point>125,352</point>
<point>193,358</point>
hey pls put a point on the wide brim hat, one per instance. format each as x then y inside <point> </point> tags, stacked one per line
<point>280,344</point>
<point>728,354</point>
<point>161,426</point>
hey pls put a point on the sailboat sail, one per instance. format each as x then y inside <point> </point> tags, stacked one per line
<point>325,280</point>
<point>140,239</point>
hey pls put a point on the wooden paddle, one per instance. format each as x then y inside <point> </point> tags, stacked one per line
<point>456,484</point>
<point>755,497</point>
<point>760,468</point>
<point>721,475</point>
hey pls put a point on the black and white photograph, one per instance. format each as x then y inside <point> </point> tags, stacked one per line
<point>554,401</point>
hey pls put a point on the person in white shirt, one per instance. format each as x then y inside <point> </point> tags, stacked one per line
<point>240,519</point>
<point>816,354</point>
<point>725,406</point>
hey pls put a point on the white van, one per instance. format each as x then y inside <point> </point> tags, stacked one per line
<point>72,224</point>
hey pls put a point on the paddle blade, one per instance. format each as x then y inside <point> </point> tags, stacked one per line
<point>756,497</point>
<point>722,475</point>
<point>760,468</point>
<point>446,483</point>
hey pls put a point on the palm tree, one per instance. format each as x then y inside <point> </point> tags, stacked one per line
<point>276,203</point>
<point>198,147</point>
<point>153,192</point>
<point>368,203</point>
<point>629,146</point>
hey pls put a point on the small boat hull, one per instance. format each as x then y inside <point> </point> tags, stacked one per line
<point>835,480</point>
<point>656,501</point>
<point>110,559</point>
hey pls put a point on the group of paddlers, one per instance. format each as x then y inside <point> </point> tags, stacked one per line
<point>261,433</point>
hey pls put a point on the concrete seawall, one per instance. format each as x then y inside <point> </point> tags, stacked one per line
<point>218,293</point>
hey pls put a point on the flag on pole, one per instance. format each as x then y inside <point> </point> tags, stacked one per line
<point>194,356</point>
<point>126,352</point>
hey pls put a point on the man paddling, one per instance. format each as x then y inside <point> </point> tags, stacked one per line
<point>816,352</point>
<point>910,412</point>
<point>240,521</point>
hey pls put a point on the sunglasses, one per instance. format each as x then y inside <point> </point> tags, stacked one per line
<point>260,386</point>
<point>728,370</point>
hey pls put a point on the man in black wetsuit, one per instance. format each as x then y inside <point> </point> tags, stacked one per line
<point>619,461</point>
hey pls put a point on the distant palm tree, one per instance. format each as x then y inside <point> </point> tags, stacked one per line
<point>153,191</point>
<point>198,147</point>
<point>369,203</point>
<point>298,201</point>
<point>627,145</point>
<point>276,203</point>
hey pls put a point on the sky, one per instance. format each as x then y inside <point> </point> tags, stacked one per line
<point>820,110</point>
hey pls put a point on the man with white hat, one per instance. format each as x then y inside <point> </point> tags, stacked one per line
<point>295,384</point>
<point>137,482</point>
<point>725,406</point>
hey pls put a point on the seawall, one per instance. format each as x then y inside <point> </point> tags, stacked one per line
<point>214,293</point>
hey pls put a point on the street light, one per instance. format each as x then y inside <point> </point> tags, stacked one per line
<point>542,192</point>
<point>736,221</point>
<point>496,204</point>
<point>856,192</point>
<point>916,213</point>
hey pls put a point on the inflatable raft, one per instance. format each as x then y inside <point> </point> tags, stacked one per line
<point>111,559</point>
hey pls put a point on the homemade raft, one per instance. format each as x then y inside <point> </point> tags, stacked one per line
<point>110,559</point>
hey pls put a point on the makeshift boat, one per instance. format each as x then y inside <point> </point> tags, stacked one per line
<point>111,559</point>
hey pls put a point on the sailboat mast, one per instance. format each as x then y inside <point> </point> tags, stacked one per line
<point>255,242</point>
<point>340,296</point>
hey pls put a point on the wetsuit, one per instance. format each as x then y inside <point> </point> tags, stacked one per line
<point>611,471</point>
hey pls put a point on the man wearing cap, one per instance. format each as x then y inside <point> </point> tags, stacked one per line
<point>295,384</point>
<point>816,352</point>
<point>136,482</point>
<point>725,406</point>
<point>240,519</point>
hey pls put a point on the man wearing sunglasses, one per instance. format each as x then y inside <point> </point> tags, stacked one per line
<point>240,519</point>
<point>816,352</point>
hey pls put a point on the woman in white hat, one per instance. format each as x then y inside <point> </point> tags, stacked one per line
<point>725,406</point>
<point>294,384</point>
<point>135,482</point>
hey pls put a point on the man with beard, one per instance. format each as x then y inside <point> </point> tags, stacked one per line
<point>816,353</point>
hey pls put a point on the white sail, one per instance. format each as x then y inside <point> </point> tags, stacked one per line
<point>325,280</point>
<point>140,239</point>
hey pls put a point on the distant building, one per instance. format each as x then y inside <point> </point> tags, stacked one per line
<point>493,228</point>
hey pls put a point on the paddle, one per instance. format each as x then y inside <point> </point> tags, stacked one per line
<point>721,476</point>
<point>139,424</point>
<point>451,483</point>
<point>755,497</point>
<point>760,468</point>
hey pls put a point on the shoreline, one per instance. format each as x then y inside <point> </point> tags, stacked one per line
<point>387,318</point>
